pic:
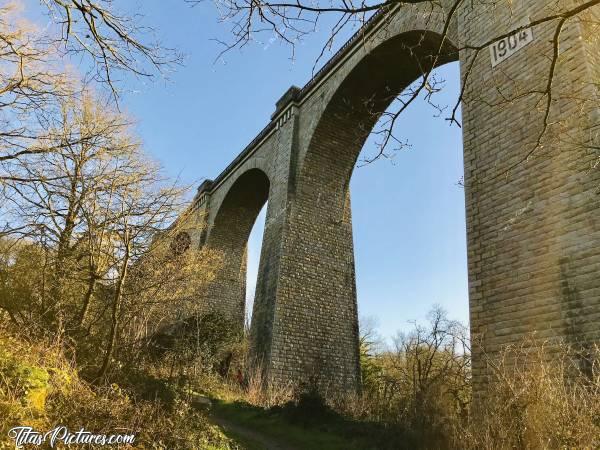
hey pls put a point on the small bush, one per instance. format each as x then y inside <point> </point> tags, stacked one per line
<point>307,408</point>
<point>259,392</point>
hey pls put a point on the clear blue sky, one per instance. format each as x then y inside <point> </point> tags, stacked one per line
<point>409,225</point>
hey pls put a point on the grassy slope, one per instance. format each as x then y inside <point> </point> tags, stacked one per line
<point>40,388</point>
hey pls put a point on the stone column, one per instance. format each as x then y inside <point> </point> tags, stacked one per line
<point>531,187</point>
<point>315,324</point>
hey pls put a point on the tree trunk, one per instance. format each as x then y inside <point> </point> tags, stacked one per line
<point>87,299</point>
<point>112,338</point>
<point>63,255</point>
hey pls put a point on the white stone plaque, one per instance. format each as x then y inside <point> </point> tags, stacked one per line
<point>505,48</point>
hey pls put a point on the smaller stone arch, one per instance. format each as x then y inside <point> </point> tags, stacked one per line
<point>228,235</point>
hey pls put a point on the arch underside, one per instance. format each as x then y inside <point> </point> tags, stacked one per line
<point>361,99</point>
<point>228,236</point>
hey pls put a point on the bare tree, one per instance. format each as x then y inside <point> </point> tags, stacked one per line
<point>87,157</point>
<point>33,78</point>
<point>103,218</point>
<point>28,85</point>
<point>113,41</point>
<point>140,209</point>
<point>431,358</point>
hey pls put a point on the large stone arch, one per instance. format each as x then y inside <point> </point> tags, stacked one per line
<point>228,235</point>
<point>359,101</point>
<point>388,51</point>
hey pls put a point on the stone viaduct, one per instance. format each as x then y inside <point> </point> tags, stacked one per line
<point>533,231</point>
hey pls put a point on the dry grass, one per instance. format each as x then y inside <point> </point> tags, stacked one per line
<point>539,396</point>
<point>258,392</point>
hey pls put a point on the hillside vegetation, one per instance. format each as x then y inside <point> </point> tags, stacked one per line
<point>41,389</point>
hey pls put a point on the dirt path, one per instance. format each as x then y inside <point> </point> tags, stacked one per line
<point>255,437</point>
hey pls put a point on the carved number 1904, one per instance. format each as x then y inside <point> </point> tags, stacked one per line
<point>504,48</point>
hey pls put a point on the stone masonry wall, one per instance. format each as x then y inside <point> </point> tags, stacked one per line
<point>533,232</point>
<point>533,228</point>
